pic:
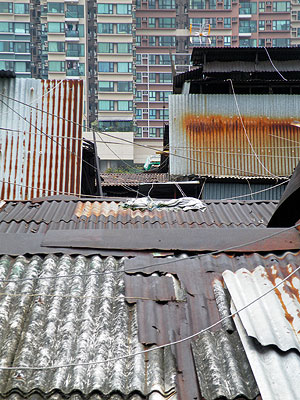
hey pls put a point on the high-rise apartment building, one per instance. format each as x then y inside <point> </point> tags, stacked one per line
<point>123,48</point>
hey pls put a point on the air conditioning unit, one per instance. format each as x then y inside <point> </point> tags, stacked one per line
<point>268,40</point>
<point>268,22</point>
<point>219,19</point>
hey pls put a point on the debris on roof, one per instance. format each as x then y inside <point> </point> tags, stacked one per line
<point>114,179</point>
<point>184,203</point>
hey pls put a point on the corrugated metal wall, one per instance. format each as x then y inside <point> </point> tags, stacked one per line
<point>208,136</point>
<point>38,153</point>
<point>227,190</point>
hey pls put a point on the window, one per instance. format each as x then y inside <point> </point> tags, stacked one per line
<point>74,11</point>
<point>105,8</point>
<point>152,114</point>
<point>124,105</point>
<point>248,7</point>
<point>138,132</point>
<point>164,114</point>
<point>227,22</point>
<point>56,66</point>
<point>138,77</point>
<point>138,59</point>
<point>105,28</point>
<point>281,6</point>
<point>106,105</point>
<point>21,8</point>
<point>227,4</point>
<point>105,47</point>
<point>166,22</point>
<point>9,65</point>
<point>166,4</point>
<point>197,4</point>
<point>6,47</point>
<point>6,27</point>
<point>75,50</point>
<point>261,42</point>
<point>248,42</point>
<point>138,40</point>
<point>124,48</point>
<point>151,22</point>
<point>163,96</point>
<point>152,40</point>
<point>125,67</point>
<point>124,28</point>
<point>151,4</point>
<point>152,77</point>
<point>138,95</point>
<point>22,66</point>
<point>56,27</point>
<point>152,132</point>
<point>124,9</point>
<point>138,22</point>
<point>164,59</point>
<point>261,6</point>
<point>213,4</point>
<point>227,40</point>
<point>261,25</point>
<point>116,126</point>
<point>21,27</point>
<point>106,86</point>
<point>21,47</point>
<point>152,95</point>
<point>125,86</point>
<point>247,26</point>
<point>281,42</point>
<point>166,41</point>
<point>105,66</point>
<point>165,78</point>
<point>6,8</point>
<point>138,113</point>
<point>281,25</point>
<point>56,8</point>
<point>56,47</point>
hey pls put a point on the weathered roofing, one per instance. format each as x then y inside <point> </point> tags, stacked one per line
<point>114,179</point>
<point>207,136</point>
<point>41,153</point>
<point>72,311</point>
<point>273,322</point>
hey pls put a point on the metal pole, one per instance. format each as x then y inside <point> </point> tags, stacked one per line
<point>99,186</point>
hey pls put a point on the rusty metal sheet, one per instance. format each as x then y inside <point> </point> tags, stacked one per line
<point>41,153</point>
<point>183,239</point>
<point>274,319</point>
<point>208,138</point>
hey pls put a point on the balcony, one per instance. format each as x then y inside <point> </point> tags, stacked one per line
<point>75,72</point>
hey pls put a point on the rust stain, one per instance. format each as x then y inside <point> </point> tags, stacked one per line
<point>210,132</point>
<point>73,128</point>
<point>58,147</point>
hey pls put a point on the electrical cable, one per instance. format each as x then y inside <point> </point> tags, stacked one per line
<point>172,261</point>
<point>162,346</point>
<point>257,192</point>
<point>274,65</point>
<point>246,134</point>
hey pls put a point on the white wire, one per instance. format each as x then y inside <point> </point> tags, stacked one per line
<point>245,131</point>
<point>274,65</point>
<point>259,191</point>
<point>175,342</point>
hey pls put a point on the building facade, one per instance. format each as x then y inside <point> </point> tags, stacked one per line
<point>125,49</point>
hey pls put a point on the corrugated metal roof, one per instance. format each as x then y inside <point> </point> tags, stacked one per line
<point>79,319</point>
<point>132,179</point>
<point>222,366</point>
<point>41,153</point>
<point>262,66</point>
<point>277,373</point>
<point>21,217</point>
<point>272,320</point>
<point>207,137</point>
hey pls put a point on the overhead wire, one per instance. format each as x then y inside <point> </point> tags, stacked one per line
<point>273,65</point>
<point>157,347</point>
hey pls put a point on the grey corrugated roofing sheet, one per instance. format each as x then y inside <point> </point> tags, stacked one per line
<point>262,66</point>
<point>79,316</point>
<point>275,319</point>
<point>21,217</point>
<point>277,373</point>
<point>115,179</point>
